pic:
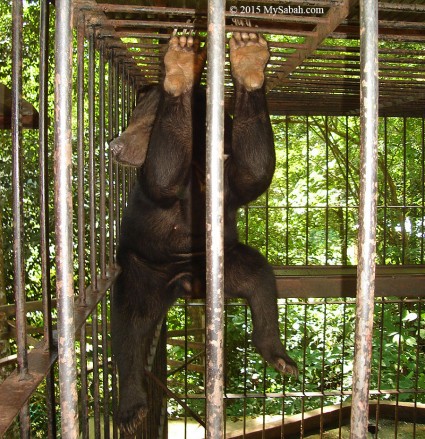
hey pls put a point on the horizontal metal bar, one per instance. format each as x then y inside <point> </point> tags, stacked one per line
<point>385,6</point>
<point>15,392</point>
<point>329,416</point>
<point>326,394</point>
<point>283,30</point>
<point>334,281</point>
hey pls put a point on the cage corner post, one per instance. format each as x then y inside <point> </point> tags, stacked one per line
<point>63,220</point>
<point>214,218</point>
<point>367,217</point>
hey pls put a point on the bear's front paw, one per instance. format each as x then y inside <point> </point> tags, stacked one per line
<point>248,57</point>
<point>184,62</point>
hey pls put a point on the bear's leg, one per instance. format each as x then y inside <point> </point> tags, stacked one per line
<point>248,275</point>
<point>139,304</point>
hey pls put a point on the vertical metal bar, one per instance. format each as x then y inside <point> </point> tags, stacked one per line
<point>106,428</point>
<point>44,208</point>
<point>80,162</point>
<point>267,225</point>
<point>111,134</point>
<point>303,382</point>
<point>343,357</point>
<point>367,217</point>
<point>102,214</point>
<point>44,178</point>
<point>186,359</point>
<point>423,192</point>
<point>102,165</point>
<point>245,373</point>
<point>322,372</point>
<point>404,242</point>
<point>18,256</point>
<point>327,191</point>
<point>63,220</point>
<point>381,357</point>
<point>287,189</point>
<point>92,175</point>
<point>93,248</point>
<point>399,370</point>
<point>214,219</point>
<point>114,399</point>
<point>384,253</point>
<point>96,392</point>
<point>81,223</point>
<point>284,380</point>
<point>112,111</point>
<point>307,209</point>
<point>418,367</point>
<point>118,199</point>
<point>347,193</point>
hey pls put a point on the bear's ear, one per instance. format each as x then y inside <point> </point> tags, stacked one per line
<point>131,147</point>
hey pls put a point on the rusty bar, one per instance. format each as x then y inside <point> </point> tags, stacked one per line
<point>263,14</point>
<point>165,10</point>
<point>367,217</point>
<point>40,362</point>
<point>386,6</point>
<point>44,210</point>
<point>123,102</point>
<point>281,30</point>
<point>18,256</point>
<point>44,172</point>
<point>105,367</point>
<point>95,383</point>
<point>111,134</point>
<point>114,398</point>
<point>118,199</point>
<point>102,163</point>
<point>102,215</point>
<point>93,229</point>
<point>92,172</point>
<point>81,223</point>
<point>277,18</point>
<point>113,207</point>
<point>63,220</point>
<point>80,162</point>
<point>214,220</point>
<point>83,383</point>
<point>423,189</point>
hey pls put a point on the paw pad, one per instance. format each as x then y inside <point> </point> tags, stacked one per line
<point>248,57</point>
<point>184,62</point>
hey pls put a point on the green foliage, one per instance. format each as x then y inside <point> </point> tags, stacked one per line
<point>319,334</point>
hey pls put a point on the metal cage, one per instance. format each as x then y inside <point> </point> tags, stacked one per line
<point>328,58</point>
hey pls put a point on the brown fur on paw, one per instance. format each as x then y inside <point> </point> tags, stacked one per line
<point>248,58</point>
<point>184,62</point>
<point>130,421</point>
<point>287,366</point>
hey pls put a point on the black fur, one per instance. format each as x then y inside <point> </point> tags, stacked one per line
<point>162,246</point>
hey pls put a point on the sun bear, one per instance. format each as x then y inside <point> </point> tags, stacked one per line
<point>162,244</point>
